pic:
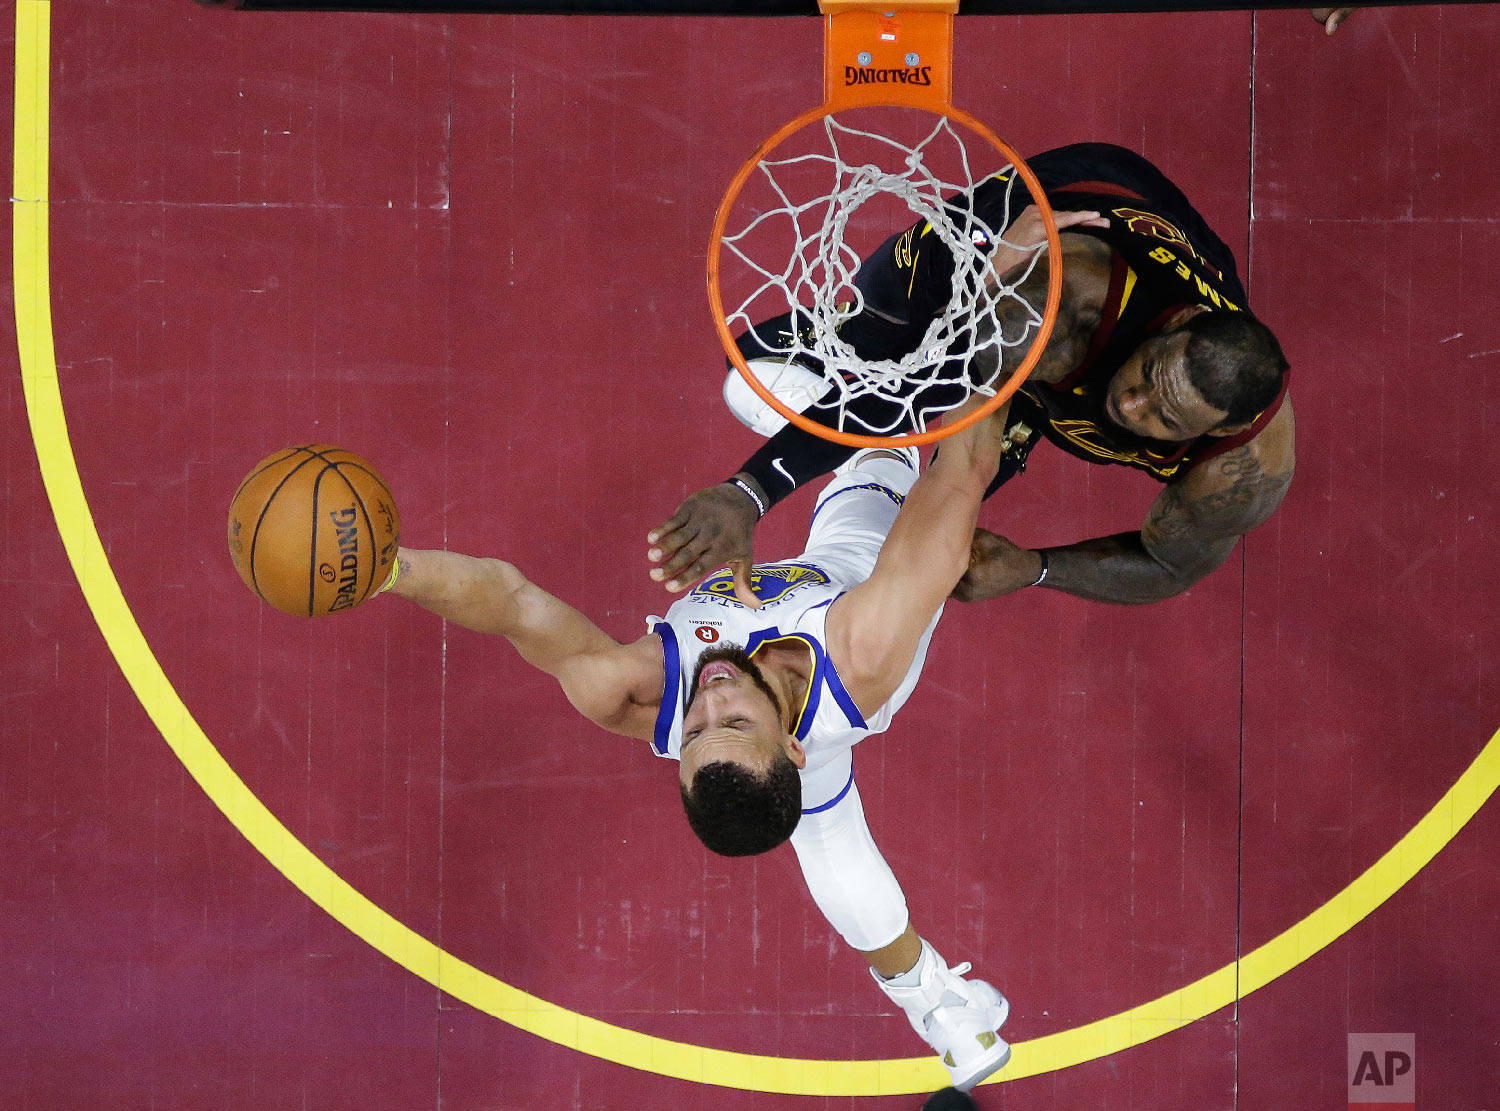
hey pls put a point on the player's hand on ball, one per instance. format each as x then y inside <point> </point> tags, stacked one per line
<point>996,567</point>
<point>313,530</point>
<point>710,529</point>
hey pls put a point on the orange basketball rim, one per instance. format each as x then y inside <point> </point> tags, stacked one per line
<point>888,35</point>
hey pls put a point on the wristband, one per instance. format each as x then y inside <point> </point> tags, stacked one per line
<point>1043,576</point>
<point>760,505</point>
<point>391,578</point>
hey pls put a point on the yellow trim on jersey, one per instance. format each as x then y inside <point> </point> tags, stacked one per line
<point>1130,280</point>
<point>812,676</point>
<point>1075,431</point>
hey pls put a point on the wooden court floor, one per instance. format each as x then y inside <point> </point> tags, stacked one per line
<point>375,862</point>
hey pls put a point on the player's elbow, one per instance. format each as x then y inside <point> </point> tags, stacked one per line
<point>1183,568</point>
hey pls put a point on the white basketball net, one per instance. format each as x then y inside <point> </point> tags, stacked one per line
<point>962,345</point>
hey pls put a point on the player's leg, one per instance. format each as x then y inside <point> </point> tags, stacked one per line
<point>857,892</point>
<point>960,1018</point>
<point>887,327</point>
<point>884,328</point>
<point>771,337</point>
<point>797,383</point>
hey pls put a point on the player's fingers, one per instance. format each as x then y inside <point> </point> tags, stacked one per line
<point>685,578</point>
<point>663,531</point>
<point>742,591</point>
<point>1079,218</point>
<point>1330,18</point>
<point>681,563</point>
<point>670,544</point>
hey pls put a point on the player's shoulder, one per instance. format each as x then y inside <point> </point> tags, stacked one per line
<point>1275,445</point>
<point>1085,243</point>
<point>857,640</point>
<point>642,662</point>
<point>628,688</point>
<point>1088,262</point>
<point>1256,472</point>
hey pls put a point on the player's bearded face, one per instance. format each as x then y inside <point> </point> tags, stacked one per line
<point>734,715</point>
<point>1152,396</point>
<point>742,661</point>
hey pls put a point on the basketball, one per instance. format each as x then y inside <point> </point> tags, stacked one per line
<point>313,530</point>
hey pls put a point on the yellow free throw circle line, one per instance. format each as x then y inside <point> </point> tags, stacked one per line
<point>463,981</point>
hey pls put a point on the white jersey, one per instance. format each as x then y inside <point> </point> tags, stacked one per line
<point>796,596</point>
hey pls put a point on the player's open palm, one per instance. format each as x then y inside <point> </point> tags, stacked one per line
<point>710,529</point>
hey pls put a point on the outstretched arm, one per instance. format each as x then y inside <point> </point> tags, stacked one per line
<point>714,526</point>
<point>874,629</point>
<point>615,685</point>
<point>1191,529</point>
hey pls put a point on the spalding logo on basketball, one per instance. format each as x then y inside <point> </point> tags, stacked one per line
<point>313,530</point>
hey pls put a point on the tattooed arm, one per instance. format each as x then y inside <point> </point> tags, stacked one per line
<point>1190,530</point>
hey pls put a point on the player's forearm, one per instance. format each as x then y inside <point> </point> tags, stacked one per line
<point>936,522</point>
<point>1119,569</point>
<point>791,459</point>
<point>492,596</point>
<point>479,594</point>
<point>937,519</point>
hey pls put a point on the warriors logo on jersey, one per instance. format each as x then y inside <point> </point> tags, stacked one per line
<point>769,582</point>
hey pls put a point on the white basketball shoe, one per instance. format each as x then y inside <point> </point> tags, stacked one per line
<point>795,386</point>
<point>959,1018</point>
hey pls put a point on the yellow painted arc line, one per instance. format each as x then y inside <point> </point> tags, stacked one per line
<point>463,981</point>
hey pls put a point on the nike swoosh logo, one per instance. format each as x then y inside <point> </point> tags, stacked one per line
<point>776,465</point>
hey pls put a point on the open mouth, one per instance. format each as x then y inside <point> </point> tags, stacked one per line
<point>719,669</point>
